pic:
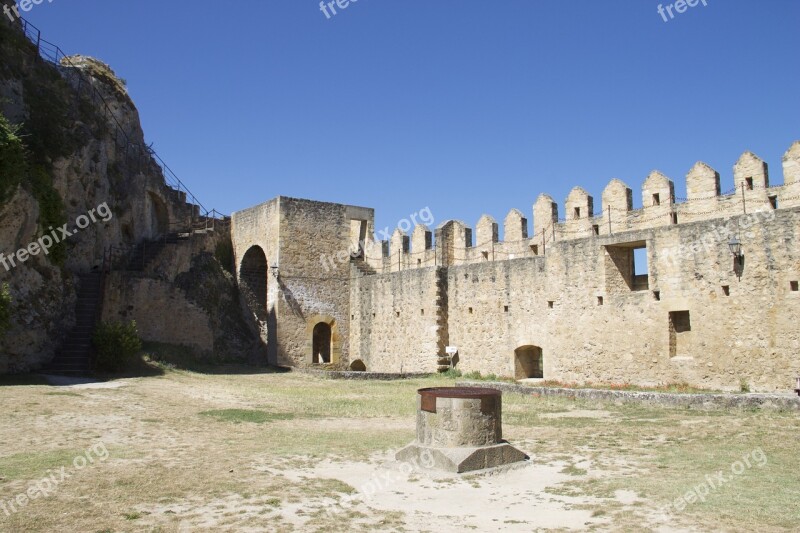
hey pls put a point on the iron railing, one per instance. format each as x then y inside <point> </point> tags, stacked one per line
<point>52,53</point>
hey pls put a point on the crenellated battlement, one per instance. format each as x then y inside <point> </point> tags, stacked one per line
<point>602,292</point>
<point>454,244</point>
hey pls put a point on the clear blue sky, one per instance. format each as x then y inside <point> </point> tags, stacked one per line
<point>467,106</point>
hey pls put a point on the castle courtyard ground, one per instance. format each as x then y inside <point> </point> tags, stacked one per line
<point>187,451</point>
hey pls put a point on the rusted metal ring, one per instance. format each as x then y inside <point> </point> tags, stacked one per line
<point>488,397</point>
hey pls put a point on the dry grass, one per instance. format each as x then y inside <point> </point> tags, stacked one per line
<point>235,452</point>
<point>674,388</point>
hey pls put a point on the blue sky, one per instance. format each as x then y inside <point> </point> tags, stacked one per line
<point>466,107</point>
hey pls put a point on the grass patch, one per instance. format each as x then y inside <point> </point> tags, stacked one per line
<point>237,416</point>
<point>573,470</point>
<point>34,465</point>
<point>674,388</point>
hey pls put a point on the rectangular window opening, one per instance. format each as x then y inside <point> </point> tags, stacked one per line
<point>773,202</point>
<point>627,267</point>
<point>470,310</point>
<point>726,290</point>
<point>596,229</point>
<point>577,212</point>
<point>793,285</point>
<point>358,238</point>
<point>749,183</point>
<point>674,218</point>
<point>657,296</point>
<point>680,325</point>
<point>535,249</point>
<point>505,309</point>
<point>599,300</point>
<point>656,199</point>
<point>641,270</point>
<point>550,304</point>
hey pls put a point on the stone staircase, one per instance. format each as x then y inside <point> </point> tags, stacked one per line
<point>75,356</point>
<point>363,267</point>
<point>146,251</point>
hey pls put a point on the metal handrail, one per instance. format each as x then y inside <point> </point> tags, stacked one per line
<point>53,54</point>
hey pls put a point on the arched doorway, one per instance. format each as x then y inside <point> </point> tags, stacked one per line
<point>528,362</point>
<point>253,279</point>
<point>324,340</point>
<point>322,343</point>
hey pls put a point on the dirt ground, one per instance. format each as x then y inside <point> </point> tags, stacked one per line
<point>290,452</point>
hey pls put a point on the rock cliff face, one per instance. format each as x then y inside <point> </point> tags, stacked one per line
<point>83,149</point>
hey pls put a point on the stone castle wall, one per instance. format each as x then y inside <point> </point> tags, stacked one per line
<point>566,290</point>
<point>395,321</point>
<point>741,330</point>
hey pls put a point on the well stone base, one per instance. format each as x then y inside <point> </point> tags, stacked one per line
<point>459,460</point>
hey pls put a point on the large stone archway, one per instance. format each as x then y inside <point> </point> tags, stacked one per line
<point>253,273</point>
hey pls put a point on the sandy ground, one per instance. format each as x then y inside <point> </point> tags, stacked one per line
<point>331,467</point>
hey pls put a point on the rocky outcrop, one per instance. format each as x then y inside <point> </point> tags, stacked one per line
<point>84,148</point>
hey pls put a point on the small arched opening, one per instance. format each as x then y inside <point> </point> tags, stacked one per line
<point>528,362</point>
<point>253,277</point>
<point>322,343</point>
<point>358,366</point>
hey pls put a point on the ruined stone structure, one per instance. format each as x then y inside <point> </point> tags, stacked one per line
<point>561,300</point>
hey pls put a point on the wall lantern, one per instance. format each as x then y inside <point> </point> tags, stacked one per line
<point>735,246</point>
<point>274,269</point>
<point>738,257</point>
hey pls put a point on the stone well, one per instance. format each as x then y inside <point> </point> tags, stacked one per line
<point>460,430</point>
